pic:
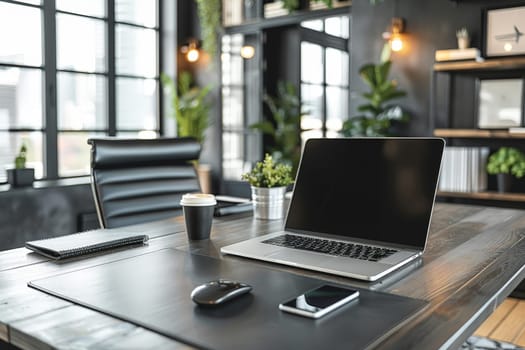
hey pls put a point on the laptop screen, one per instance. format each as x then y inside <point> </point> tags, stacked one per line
<point>379,189</point>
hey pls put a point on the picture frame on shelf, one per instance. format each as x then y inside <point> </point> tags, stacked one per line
<point>500,103</point>
<point>504,32</point>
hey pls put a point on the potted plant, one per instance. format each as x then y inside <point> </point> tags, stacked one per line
<point>284,128</point>
<point>21,175</point>
<point>506,163</point>
<point>191,112</point>
<point>463,38</point>
<point>268,182</point>
<point>378,114</point>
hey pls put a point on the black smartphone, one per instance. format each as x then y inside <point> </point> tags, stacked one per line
<point>319,301</point>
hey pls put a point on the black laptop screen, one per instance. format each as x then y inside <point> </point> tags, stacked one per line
<point>379,189</point>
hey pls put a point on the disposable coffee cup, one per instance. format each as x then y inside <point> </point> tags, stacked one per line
<point>198,214</point>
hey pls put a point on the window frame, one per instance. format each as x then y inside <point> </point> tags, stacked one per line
<point>50,129</point>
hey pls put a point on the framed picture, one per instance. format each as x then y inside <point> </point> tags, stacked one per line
<point>500,103</point>
<point>504,32</point>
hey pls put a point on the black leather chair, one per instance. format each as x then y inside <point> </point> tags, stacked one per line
<point>138,180</point>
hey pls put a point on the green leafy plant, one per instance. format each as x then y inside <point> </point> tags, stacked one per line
<point>378,114</point>
<point>21,157</point>
<point>269,174</point>
<point>284,126</point>
<point>210,21</point>
<point>507,160</point>
<point>190,108</point>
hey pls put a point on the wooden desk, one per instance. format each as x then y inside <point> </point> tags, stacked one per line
<point>475,257</point>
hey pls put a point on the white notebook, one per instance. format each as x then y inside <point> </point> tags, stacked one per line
<point>84,243</point>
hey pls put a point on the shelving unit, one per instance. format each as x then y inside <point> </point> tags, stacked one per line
<point>491,64</point>
<point>455,118</point>
<point>478,134</point>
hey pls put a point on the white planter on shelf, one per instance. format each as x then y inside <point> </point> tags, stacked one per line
<point>268,203</point>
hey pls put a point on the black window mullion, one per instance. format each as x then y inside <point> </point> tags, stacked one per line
<point>50,91</point>
<point>112,108</point>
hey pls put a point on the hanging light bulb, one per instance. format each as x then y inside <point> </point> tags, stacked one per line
<point>247,51</point>
<point>192,55</point>
<point>394,36</point>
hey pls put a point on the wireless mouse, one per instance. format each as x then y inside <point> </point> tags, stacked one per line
<point>218,292</point>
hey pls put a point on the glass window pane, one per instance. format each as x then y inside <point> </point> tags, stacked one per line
<point>338,26</point>
<point>143,134</point>
<point>81,101</point>
<point>316,24</point>
<point>88,54</point>
<point>21,98</point>
<point>74,153</point>
<point>142,12</point>
<point>232,111</point>
<point>26,46</point>
<point>311,56</point>
<point>95,8</point>
<point>336,67</point>
<point>336,108</point>
<point>137,104</point>
<point>10,143</point>
<point>233,164</point>
<point>312,99</point>
<point>136,51</point>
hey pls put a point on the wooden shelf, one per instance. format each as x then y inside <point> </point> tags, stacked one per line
<point>478,134</point>
<point>494,196</point>
<point>295,17</point>
<point>489,64</point>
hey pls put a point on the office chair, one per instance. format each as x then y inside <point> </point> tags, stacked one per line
<point>136,180</point>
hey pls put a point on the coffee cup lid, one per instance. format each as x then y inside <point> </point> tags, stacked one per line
<point>198,199</point>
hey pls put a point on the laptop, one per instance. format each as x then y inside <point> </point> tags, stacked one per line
<point>361,207</point>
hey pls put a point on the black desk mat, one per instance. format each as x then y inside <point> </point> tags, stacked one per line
<point>153,291</point>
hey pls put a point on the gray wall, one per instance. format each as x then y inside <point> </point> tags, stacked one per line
<point>429,25</point>
<point>34,213</point>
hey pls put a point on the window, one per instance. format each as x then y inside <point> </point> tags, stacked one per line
<point>240,105</point>
<point>74,70</point>
<point>324,92</point>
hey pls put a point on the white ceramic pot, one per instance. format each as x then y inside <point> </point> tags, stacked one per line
<point>268,203</point>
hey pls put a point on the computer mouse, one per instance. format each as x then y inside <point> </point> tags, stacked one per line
<point>218,292</point>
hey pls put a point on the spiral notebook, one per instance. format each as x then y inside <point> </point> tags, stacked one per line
<point>85,243</point>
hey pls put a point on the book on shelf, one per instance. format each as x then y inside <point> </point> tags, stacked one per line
<point>458,55</point>
<point>274,9</point>
<point>232,12</point>
<point>519,130</point>
<point>85,243</point>
<point>464,169</point>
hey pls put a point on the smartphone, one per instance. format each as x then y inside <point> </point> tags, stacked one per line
<point>320,301</point>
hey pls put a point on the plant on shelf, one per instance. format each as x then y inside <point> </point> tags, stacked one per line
<point>268,180</point>
<point>21,157</point>
<point>190,107</point>
<point>507,160</point>
<point>21,175</point>
<point>378,114</point>
<point>463,38</point>
<point>284,126</point>
<point>210,21</point>
<point>505,163</point>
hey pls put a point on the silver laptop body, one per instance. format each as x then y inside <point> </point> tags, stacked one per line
<point>377,192</point>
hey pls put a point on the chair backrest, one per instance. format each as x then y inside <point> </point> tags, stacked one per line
<point>137,180</point>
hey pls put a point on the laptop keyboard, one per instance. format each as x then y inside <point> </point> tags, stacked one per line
<point>336,248</point>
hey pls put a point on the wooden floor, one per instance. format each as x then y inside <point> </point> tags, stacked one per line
<point>507,323</point>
